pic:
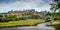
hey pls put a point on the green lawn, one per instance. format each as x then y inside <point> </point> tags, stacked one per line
<point>29,22</point>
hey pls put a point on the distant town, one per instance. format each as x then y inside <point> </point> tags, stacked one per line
<point>25,13</point>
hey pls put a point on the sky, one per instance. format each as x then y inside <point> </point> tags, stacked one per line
<point>38,5</point>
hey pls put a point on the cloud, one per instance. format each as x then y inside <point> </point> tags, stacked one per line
<point>25,4</point>
<point>7,1</point>
<point>43,8</point>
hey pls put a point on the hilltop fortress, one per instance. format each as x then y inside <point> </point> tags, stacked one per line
<point>24,13</point>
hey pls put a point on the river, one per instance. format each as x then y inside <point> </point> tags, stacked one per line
<point>38,27</point>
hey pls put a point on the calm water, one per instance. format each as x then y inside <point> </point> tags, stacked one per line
<point>38,27</point>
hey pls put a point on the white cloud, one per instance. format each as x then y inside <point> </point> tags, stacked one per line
<point>43,8</point>
<point>25,4</point>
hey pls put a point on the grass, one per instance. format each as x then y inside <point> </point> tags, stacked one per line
<point>57,27</point>
<point>54,23</point>
<point>28,22</point>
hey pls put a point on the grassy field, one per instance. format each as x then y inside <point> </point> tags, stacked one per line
<point>54,23</point>
<point>28,22</point>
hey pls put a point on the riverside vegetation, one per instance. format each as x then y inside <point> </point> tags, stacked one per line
<point>27,22</point>
<point>13,20</point>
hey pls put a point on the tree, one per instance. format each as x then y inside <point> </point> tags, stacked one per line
<point>34,16</point>
<point>55,5</point>
<point>48,13</point>
<point>55,8</point>
<point>9,18</point>
<point>1,15</point>
<point>57,27</point>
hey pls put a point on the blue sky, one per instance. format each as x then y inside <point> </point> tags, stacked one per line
<point>39,5</point>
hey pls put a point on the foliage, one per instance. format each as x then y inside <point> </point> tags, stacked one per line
<point>55,5</point>
<point>29,22</point>
<point>57,27</point>
<point>35,16</point>
<point>48,13</point>
<point>10,18</point>
<point>55,9</point>
<point>1,15</point>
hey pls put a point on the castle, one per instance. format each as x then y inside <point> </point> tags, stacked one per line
<point>24,13</point>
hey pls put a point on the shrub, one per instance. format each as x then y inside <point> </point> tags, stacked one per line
<point>1,15</point>
<point>0,19</point>
<point>34,16</point>
<point>22,19</point>
<point>56,18</point>
<point>57,27</point>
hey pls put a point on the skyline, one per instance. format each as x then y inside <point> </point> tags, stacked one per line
<point>38,5</point>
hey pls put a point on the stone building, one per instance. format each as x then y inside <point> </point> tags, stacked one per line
<point>24,13</point>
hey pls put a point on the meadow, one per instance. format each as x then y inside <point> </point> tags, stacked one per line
<point>28,22</point>
<point>54,23</point>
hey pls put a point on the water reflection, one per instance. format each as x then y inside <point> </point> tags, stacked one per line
<point>38,27</point>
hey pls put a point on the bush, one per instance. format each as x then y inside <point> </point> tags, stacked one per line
<point>22,19</point>
<point>0,19</point>
<point>57,27</point>
<point>1,15</point>
<point>10,18</point>
<point>56,18</point>
<point>17,19</point>
<point>34,16</point>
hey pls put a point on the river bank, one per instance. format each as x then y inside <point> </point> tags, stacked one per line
<point>41,26</point>
<point>54,23</point>
<point>28,22</point>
